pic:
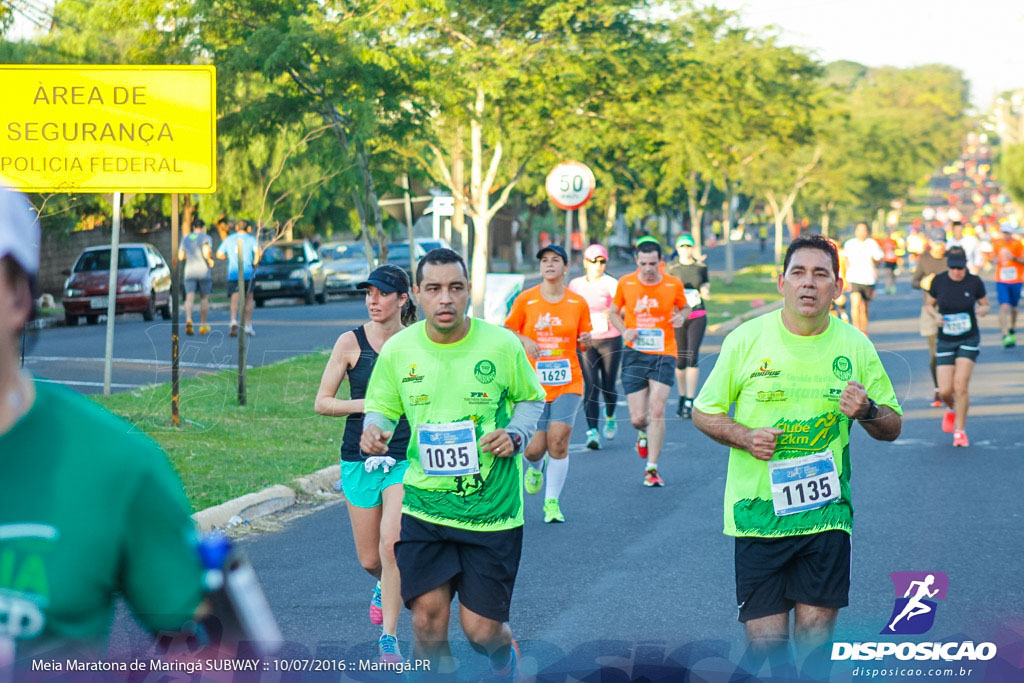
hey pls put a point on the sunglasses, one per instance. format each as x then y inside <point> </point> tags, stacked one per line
<point>598,260</point>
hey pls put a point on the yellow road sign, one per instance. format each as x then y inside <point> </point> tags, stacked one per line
<point>108,128</point>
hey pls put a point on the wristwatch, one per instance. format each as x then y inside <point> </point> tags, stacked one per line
<point>517,442</point>
<point>872,410</point>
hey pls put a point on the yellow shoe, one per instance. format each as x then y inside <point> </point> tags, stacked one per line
<point>188,327</point>
<point>204,329</point>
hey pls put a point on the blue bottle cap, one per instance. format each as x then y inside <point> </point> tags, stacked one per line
<point>214,549</point>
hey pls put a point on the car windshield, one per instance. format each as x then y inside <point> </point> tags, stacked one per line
<point>430,245</point>
<point>398,252</point>
<point>99,259</point>
<point>344,252</point>
<point>283,254</point>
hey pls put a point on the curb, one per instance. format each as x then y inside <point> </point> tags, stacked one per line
<point>732,323</point>
<point>253,506</point>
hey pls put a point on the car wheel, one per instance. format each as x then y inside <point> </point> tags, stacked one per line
<point>150,311</point>
<point>321,298</point>
<point>70,320</point>
<point>308,297</point>
<point>92,319</point>
<point>259,302</point>
<point>165,312</point>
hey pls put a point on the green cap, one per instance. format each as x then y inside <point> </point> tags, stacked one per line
<point>684,241</point>
<point>647,238</point>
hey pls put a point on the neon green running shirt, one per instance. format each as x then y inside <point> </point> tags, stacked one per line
<point>779,379</point>
<point>480,378</point>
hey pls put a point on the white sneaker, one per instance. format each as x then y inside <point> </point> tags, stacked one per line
<point>249,331</point>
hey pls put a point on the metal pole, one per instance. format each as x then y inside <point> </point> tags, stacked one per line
<point>115,238</point>
<point>567,245</point>
<point>408,223</point>
<point>175,320</point>
<point>243,298</point>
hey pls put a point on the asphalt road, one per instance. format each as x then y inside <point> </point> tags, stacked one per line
<point>639,582</point>
<point>142,351</point>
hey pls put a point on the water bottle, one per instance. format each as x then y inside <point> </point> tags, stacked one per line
<point>236,597</point>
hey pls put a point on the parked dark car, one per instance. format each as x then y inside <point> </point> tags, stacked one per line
<point>398,255</point>
<point>290,269</point>
<point>143,283</point>
<point>345,265</point>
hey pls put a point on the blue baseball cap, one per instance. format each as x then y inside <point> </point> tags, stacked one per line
<point>555,249</point>
<point>387,278</point>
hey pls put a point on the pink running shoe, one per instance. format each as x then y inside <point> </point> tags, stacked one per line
<point>960,438</point>
<point>376,610</point>
<point>948,421</point>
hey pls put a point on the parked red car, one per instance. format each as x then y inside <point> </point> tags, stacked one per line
<point>143,283</point>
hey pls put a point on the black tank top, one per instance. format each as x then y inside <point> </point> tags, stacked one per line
<point>358,378</point>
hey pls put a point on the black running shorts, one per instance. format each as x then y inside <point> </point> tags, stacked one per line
<point>481,565</point>
<point>773,574</point>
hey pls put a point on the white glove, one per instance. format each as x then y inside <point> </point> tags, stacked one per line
<point>375,461</point>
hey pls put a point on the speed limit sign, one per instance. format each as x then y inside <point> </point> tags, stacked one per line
<point>570,185</point>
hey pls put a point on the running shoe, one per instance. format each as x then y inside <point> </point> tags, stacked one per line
<point>233,332</point>
<point>188,327</point>
<point>389,652</point>
<point>533,480</point>
<point>376,610</point>
<point>593,443</point>
<point>510,672</point>
<point>948,421</point>
<point>249,331</point>
<point>552,513</point>
<point>687,408</point>
<point>204,329</point>
<point>609,427</point>
<point>960,438</point>
<point>1009,341</point>
<point>641,444</point>
<point>652,478</point>
<point>936,401</point>
<point>679,410</point>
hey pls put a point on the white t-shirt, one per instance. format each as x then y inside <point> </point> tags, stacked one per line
<point>860,260</point>
<point>971,246</point>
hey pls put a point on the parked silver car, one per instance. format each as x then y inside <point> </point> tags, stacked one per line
<point>345,265</point>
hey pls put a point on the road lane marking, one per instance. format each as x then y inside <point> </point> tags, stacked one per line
<point>75,383</point>
<point>130,361</point>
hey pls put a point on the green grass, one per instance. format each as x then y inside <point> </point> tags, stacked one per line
<point>224,450</point>
<point>749,286</point>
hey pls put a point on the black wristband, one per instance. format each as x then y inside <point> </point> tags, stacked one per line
<point>872,410</point>
<point>517,442</point>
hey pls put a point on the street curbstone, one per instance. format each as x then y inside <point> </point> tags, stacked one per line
<point>320,482</point>
<point>249,507</point>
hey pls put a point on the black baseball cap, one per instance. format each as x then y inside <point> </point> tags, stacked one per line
<point>555,249</point>
<point>387,278</point>
<point>956,258</point>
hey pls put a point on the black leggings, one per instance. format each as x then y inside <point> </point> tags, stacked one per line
<point>600,365</point>
<point>688,339</point>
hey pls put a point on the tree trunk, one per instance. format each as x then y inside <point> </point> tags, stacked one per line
<point>826,220</point>
<point>459,181</point>
<point>480,197</point>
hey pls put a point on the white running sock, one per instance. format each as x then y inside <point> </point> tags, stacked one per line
<point>558,470</point>
<point>535,464</point>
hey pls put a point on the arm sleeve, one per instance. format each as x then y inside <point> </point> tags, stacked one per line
<point>523,382</point>
<point>382,395</point>
<point>161,574</point>
<point>378,420</point>
<point>524,419</point>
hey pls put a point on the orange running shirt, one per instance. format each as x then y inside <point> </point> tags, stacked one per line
<point>1006,270</point>
<point>650,307</point>
<point>555,327</point>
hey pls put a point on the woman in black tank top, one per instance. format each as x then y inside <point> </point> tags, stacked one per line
<point>372,486</point>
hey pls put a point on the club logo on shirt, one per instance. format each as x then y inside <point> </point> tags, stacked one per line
<point>645,304</point>
<point>842,368</point>
<point>412,376</point>
<point>484,371</point>
<point>765,370</point>
<point>546,321</point>
<point>420,400</point>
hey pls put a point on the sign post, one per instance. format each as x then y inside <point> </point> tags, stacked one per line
<point>570,185</point>
<point>111,129</point>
